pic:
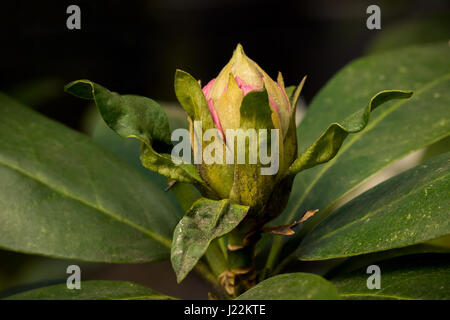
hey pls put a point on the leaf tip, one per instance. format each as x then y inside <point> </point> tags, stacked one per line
<point>80,88</point>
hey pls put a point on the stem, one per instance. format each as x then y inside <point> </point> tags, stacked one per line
<point>204,271</point>
<point>283,264</point>
<point>271,259</point>
<point>241,254</point>
<point>185,195</point>
<point>215,257</point>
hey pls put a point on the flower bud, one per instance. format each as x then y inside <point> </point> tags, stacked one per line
<point>240,76</point>
<point>245,99</point>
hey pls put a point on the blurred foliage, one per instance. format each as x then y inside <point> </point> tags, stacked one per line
<point>410,32</point>
<point>37,92</point>
<point>19,272</point>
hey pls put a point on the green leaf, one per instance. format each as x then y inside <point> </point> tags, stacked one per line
<point>137,117</point>
<point>205,221</point>
<point>128,115</point>
<point>394,131</point>
<point>328,144</point>
<point>63,196</point>
<point>426,279</point>
<point>292,286</point>
<point>92,290</point>
<point>407,209</point>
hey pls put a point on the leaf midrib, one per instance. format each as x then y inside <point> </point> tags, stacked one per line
<point>164,241</point>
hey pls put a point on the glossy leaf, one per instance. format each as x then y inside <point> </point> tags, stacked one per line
<point>395,130</point>
<point>137,117</point>
<point>92,290</point>
<point>292,286</point>
<point>407,209</point>
<point>63,196</point>
<point>426,279</point>
<point>328,144</point>
<point>205,221</point>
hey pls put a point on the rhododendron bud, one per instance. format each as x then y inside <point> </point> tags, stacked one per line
<point>240,76</point>
<point>244,101</point>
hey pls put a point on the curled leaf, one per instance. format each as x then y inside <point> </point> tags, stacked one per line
<point>329,143</point>
<point>137,117</point>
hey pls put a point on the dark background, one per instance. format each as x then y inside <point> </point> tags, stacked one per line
<point>135,47</point>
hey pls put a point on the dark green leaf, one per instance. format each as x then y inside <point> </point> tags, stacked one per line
<point>63,196</point>
<point>138,117</point>
<point>128,115</point>
<point>205,221</point>
<point>328,144</point>
<point>407,209</point>
<point>92,290</point>
<point>394,131</point>
<point>426,279</point>
<point>292,286</point>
